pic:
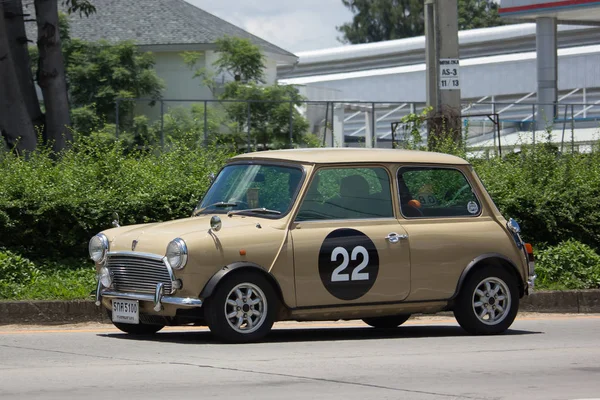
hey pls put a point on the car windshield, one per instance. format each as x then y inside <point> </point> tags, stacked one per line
<point>259,189</point>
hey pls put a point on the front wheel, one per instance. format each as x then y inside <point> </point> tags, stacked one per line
<point>387,322</point>
<point>488,301</point>
<point>242,308</point>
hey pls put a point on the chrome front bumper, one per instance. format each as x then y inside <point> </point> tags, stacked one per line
<point>158,298</point>
<point>531,281</point>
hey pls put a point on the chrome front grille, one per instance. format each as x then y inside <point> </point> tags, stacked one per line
<point>139,274</point>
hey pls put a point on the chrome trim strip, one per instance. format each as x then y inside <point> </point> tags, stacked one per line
<point>136,254</point>
<point>149,256</point>
<point>158,295</point>
<point>171,273</point>
<point>179,301</point>
<point>531,281</point>
<point>99,293</point>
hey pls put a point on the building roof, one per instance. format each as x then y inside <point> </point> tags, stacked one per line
<point>495,59</point>
<point>155,22</point>
<point>473,43</point>
<point>353,155</point>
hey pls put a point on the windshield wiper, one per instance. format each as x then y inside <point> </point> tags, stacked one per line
<point>255,210</point>
<point>220,204</point>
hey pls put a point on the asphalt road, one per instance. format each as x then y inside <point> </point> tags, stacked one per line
<point>542,357</point>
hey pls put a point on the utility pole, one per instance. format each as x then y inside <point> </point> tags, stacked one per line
<point>443,68</point>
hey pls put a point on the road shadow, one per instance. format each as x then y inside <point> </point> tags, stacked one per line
<point>287,335</point>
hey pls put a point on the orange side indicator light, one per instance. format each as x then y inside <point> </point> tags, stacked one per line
<point>242,252</point>
<point>529,249</point>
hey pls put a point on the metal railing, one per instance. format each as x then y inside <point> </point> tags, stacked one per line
<point>486,124</point>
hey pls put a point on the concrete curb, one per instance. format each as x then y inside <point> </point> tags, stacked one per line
<point>65,312</point>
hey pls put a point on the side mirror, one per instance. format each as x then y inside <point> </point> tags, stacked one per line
<point>115,222</point>
<point>513,226</point>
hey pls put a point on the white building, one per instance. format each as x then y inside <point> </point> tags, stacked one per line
<point>498,70</point>
<point>167,28</point>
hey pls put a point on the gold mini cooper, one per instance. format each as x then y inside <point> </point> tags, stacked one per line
<point>320,234</point>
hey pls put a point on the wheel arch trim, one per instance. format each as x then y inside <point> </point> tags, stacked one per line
<point>218,276</point>
<point>482,258</point>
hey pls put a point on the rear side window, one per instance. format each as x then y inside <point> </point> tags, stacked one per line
<point>347,193</point>
<point>431,192</point>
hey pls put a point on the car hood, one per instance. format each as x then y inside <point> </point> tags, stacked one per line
<point>154,237</point>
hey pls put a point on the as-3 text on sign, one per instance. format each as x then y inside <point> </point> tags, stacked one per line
<point>449,74</point>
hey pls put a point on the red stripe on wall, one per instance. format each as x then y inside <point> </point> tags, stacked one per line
<point>540,6</point>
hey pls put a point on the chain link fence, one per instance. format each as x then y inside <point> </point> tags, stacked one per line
<point>487,127</point>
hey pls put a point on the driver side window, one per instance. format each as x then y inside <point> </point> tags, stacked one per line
<point>436,192</point>
<point>347,193</point>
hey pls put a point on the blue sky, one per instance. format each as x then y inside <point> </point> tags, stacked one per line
<point>293,25</point>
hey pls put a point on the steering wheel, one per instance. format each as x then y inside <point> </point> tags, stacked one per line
<point>459,192</point>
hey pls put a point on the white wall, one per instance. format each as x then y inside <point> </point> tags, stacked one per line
<point>492,76</point>
<point>180,83</point>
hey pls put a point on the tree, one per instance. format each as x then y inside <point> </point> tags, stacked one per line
<point>241,58</point>
<point>50,77</point>
<point>474,14</point>
<point>99,72</point>
<point>18,42</point>
<point>379,20</point>
<point>269,109</point>
<point>51,74</point>
<point>15,123</point>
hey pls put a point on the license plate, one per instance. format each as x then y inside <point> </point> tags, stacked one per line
<point>125,311</point>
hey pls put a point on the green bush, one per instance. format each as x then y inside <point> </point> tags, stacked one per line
<point>21,279</point>
<point>49,208</point>
<point>15,269</point>
<point>568,265</point>
<point>553,197</point>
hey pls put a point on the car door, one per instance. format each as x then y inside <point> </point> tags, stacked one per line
<point>348,245</point>
<point>447,227</point>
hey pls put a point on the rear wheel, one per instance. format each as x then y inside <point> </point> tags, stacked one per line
<point>242,308</point>
<point>387,322</point>
<point>488,301</point>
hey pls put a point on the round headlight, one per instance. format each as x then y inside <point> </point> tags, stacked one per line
<point>98,247</point>
<point>104,277</point>
<point>177,253</point>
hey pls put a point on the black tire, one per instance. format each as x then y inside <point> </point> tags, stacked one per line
<point>138,329</point>
<point>217,308</point>
<point>467,307</point>
<point>387,322</point>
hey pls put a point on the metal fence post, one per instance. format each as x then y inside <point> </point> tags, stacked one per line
<point>291,124</point>
<point>562,140</point>
<point>533,124</point>
<point>162,124</point>
<point>373,133</point>
<point>326,122</point>
<point>248,123</point>
<point>205,123</point>
<point>117,119</point>
<point>572,131</point>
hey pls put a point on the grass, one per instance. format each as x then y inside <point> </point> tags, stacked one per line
<point>53,282</point>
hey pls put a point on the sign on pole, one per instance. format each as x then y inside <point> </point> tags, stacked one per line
<point>449,74</point>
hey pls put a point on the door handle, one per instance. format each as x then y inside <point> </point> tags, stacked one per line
<point>393,237</point>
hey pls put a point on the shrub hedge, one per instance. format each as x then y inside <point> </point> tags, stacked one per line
<point>50,207</point>
<point>554,197</point>
<point>568,265</point>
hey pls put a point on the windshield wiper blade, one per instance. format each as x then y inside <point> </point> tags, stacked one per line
<point>219,204</point>
<point>255,210</point>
